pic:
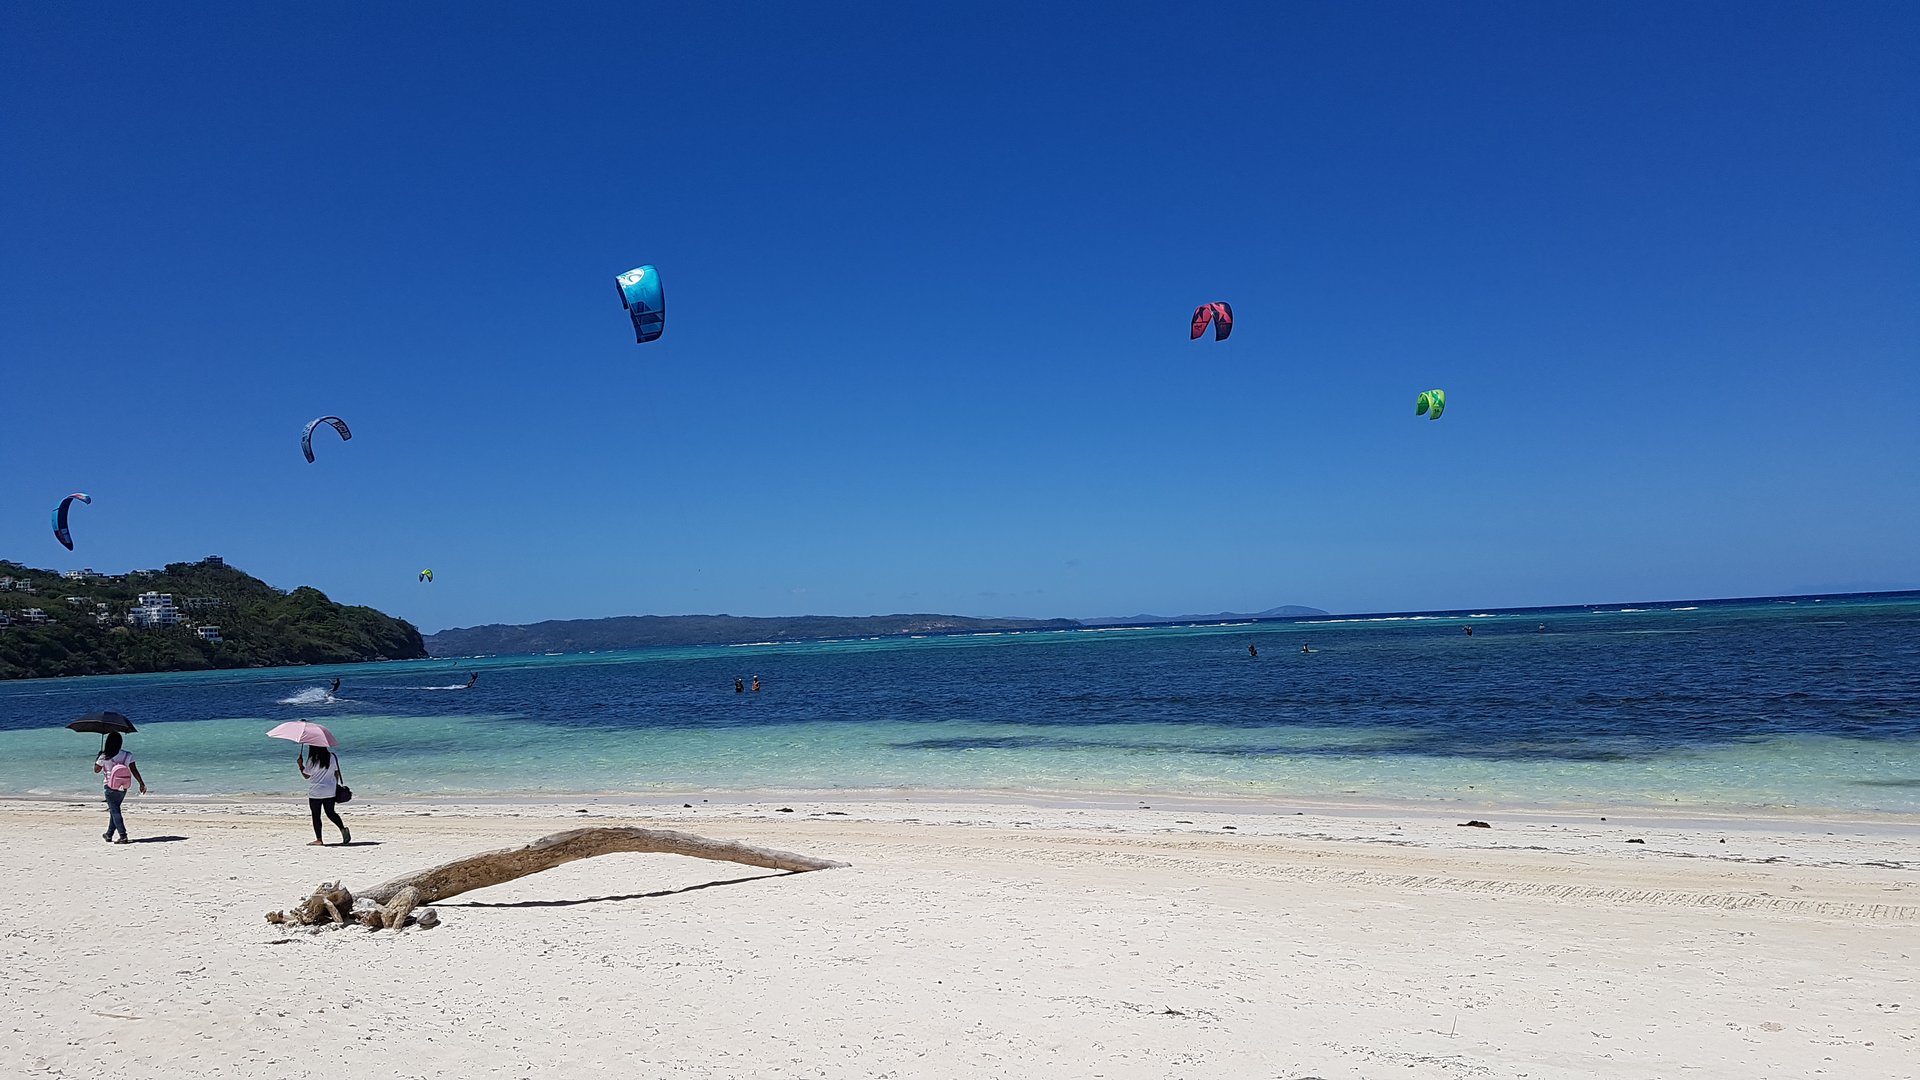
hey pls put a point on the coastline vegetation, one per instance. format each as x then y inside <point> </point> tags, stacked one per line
<point>219,617</point>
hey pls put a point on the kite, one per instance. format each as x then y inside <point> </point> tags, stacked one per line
<point>306,437</point>
<point>645,300</point>
<point>60,532</point>
<point>1219,313</point>
<point>1430,404</point>
<point>426,575</point>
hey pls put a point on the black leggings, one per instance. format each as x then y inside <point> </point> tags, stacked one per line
<point>317,805</point>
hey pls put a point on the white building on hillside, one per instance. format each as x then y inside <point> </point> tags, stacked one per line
<point>154,609</point>
<point>209,633</point>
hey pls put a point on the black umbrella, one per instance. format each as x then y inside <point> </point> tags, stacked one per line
<point>99,723</point>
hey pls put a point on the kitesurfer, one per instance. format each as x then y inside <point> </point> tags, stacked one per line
<point>472,677</point>
<point>756,684</point>
<point>335,688</point>
<point>739,685</point>
<point>1251,651</point>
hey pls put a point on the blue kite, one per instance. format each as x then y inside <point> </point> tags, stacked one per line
<point>645,300</point>
<point>306,437</point>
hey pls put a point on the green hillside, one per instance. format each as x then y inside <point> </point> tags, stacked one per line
<point>63,626</point>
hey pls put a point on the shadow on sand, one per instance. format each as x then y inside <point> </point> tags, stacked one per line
<point>629,896</point>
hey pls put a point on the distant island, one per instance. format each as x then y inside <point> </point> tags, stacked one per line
<point>640,631</point>
<point>184,617</point>
<point>1285,611</point>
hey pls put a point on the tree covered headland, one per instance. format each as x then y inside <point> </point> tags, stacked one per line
<point>66,626</point>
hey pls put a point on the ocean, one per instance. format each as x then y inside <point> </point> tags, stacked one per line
<point>1800,704</point>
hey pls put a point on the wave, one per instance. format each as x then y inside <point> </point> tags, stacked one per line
<point>1376,618</point>
<point>455,686</point>
<point>1683,609</point>
<point>312,695</point>
<point>757,644</point>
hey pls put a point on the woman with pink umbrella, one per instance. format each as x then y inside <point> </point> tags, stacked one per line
<point>326,787</point>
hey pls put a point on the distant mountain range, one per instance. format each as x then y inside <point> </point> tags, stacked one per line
<point>639,631</point>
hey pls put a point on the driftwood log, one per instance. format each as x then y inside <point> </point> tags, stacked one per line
<point>391,904</point>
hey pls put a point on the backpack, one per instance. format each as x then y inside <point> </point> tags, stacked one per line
<point>119,776</point>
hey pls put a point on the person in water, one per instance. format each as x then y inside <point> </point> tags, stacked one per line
<point>111,759</point>
<point>739,685</point>
<point>1251,651</point>
<point>335,688</point>
<point>1304,649</point>
<point>756,684</point>
<point>472,677</point>
<point>322,771</point>
<point>1469,631</point>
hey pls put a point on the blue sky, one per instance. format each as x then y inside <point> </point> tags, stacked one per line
<point>929,270</point>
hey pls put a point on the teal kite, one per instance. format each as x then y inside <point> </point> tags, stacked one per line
<point>645,300</point>
<point>60,532</point>
<point>1430,404</point>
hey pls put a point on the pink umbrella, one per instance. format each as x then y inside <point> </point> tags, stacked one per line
<point>304,733</point>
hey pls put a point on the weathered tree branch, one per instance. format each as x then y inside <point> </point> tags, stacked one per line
<point>393,901</point>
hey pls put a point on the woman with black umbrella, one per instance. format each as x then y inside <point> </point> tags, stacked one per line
<point>121,773</point>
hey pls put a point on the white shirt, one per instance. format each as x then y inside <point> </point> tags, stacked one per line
<point>107,763</point>
<point>323,783</point>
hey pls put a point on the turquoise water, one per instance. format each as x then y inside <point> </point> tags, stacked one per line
<point>1803,703</point>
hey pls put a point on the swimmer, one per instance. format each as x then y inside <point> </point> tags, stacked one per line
<point>739,685</point>
<point>756,684</point>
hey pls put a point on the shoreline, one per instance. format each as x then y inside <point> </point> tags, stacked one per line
<point>1880,844</point>
<point>1258,806</point>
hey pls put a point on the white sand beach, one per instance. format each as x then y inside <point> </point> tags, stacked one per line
<point>1002,937</point>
